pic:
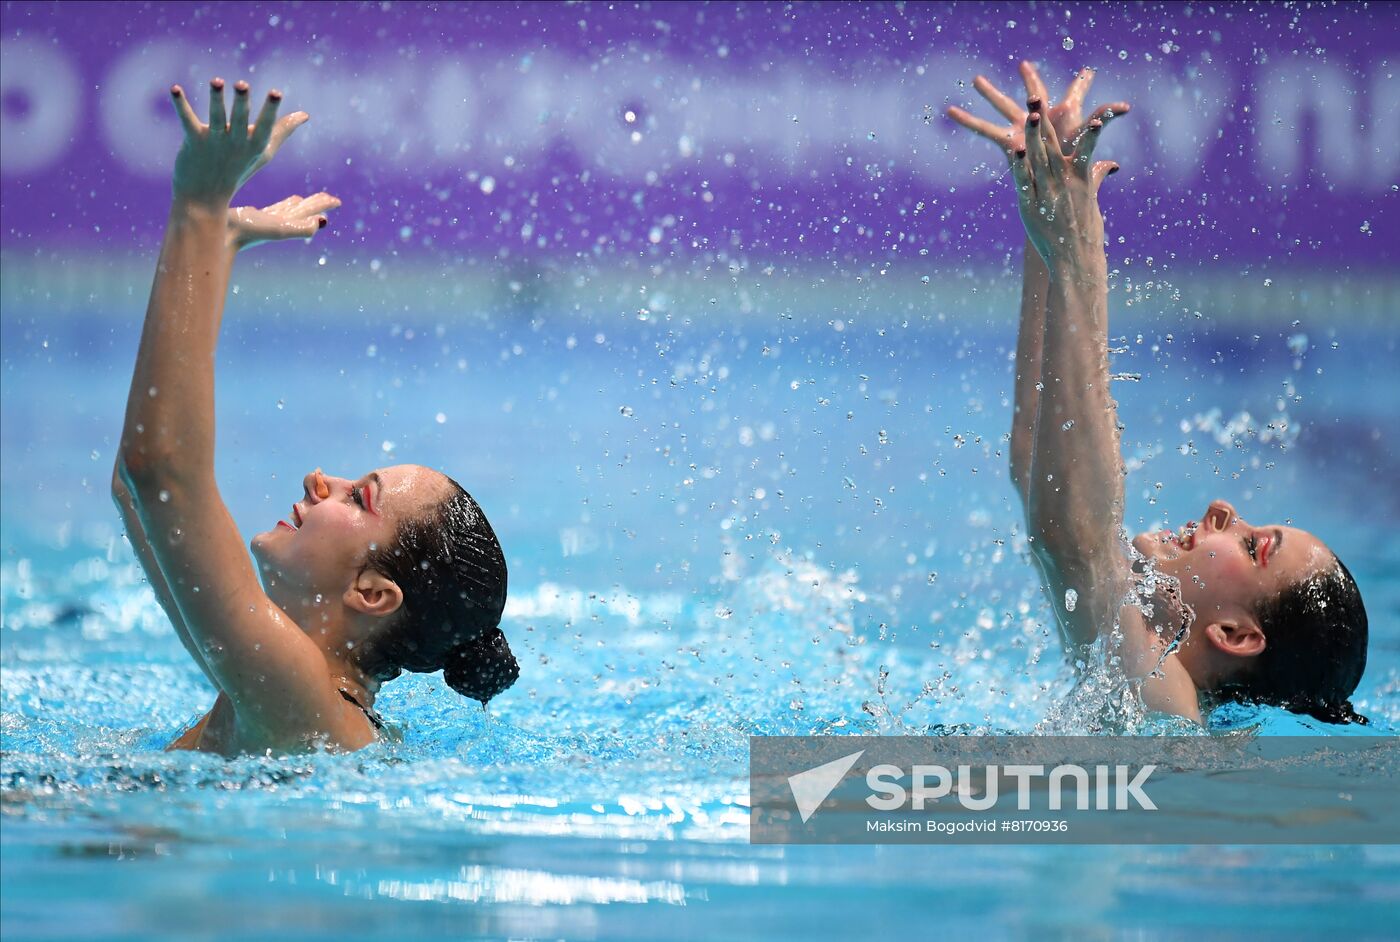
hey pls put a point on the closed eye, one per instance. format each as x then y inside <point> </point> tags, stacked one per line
<point>358,496</point>
<point>1251,546</point>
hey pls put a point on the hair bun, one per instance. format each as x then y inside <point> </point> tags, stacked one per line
<point>483,667</point>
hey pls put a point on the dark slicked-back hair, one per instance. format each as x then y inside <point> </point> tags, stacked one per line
<point>452,572</point>
<point>1315,634</point>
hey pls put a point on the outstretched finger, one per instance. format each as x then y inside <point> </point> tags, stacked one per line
<point>315,204</point>
<point>1021,172</point>
<point>997,134</point>
<point>284,128</point>
<point>238,120</point>
<point>1085,143</point>
<point>1074,95</point>
<point>281,206</point>
<point>267,119</point>
<point>1054,155</point>
<point>1101,172</point>
<point>998,100</point>
<point>1035,146</point>
<point>1107,113</point>
<point>188,118</point>
<point>1035,86</point>
<point>273,228</point>
<point>218,114</point>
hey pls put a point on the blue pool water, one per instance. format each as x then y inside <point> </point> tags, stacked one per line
<point>717,525</point>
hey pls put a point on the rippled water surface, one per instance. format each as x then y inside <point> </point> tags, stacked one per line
<point>713,532</point>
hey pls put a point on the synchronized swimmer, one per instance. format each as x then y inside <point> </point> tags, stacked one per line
<point>1239,612</point>
<point>399,569</point>
<point>395,570</point>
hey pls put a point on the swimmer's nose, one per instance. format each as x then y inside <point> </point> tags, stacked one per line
<point>315,484</point>
<point>1219,515</point>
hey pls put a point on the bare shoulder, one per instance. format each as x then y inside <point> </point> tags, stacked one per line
<point>223,731</point>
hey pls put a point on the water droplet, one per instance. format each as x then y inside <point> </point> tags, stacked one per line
<point>1069,424</point>
<point>870,136</point>
<point>164,496</point>
<point>488,185</point>
<point>281,404</point>
<point>1068,44</point>
<point>440,418</point>
<point>625,410</point>
<point>1071,599</point>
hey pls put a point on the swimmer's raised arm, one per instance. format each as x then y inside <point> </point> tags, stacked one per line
<point>1068,119</point>
<point>1075,498</point>
<point>165,464</point>
<point>1074,514</point>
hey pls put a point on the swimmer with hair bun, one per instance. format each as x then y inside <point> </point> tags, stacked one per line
<point>1239,612</point>
<point>395,570</point>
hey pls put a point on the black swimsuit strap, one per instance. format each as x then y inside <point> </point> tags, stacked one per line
<point>373,717</point>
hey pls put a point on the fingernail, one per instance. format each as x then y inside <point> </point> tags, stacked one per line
<point>175,90</point>
<point>217,84</point>
<point>321,223</point>
<point>241,88</point>
<point>1021,154</point>
<point>1035,117</point>
<point>275,95</point>
<point>1112,171</point>
<point>1033,104</point>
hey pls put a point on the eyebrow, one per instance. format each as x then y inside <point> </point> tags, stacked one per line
<point>1278,541</point>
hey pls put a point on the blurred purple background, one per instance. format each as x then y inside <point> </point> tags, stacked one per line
<point>791,134</point>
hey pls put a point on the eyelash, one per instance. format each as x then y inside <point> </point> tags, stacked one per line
<point>1251,546</point>
<point>355,493</point>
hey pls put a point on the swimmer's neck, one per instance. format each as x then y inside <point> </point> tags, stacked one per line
<point>1162,659</point>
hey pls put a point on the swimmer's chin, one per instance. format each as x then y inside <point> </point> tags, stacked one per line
<point>260,543</point>
<point>1155,548</point>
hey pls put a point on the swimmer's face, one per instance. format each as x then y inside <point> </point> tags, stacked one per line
<point>327,536</point>
<point>1227,566</point>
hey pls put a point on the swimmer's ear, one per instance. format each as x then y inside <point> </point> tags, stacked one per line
<point>1242,638</point>
<point>374,594</point>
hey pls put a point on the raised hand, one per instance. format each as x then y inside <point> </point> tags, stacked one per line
<point>217,158</point>
<point>1066,116</point>
<point>292,218</point>
<point>1058,190</point>
<point>1051,155</point>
